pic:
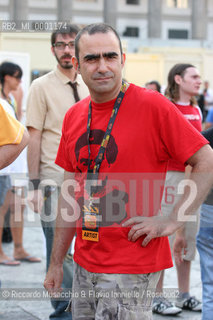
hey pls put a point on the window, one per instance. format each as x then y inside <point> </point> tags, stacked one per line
<point>131,32</point>
<point>177,34</point>
<point>182,4</point>
<point>132,1</point>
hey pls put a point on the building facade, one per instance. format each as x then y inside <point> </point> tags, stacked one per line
<point>155,34</point>
<point>139,22</point>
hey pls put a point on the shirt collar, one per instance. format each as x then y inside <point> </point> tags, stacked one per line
<point>64,78</point>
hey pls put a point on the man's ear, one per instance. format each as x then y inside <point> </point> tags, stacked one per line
<point>75,64</point>
<point>123,58</point>
<point>53,51</point>
<point>177,78</point>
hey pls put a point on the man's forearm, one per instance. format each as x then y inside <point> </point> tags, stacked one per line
<point>65,224</point>
<point>195,189</point>
<point>64,234</point>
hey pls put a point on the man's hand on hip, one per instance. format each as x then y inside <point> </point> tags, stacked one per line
<point>152,227</point>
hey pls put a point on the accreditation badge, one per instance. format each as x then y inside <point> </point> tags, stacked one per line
<point>90,229</point>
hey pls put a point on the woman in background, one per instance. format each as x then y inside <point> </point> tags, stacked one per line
<point>10,79</point>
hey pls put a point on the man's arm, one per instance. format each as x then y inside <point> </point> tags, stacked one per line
<point>180,241</point>
<point>9,152</point>
<point>159,226</point>
<point>33,154</point>
<point>33,161</point>
<point>64,233</point>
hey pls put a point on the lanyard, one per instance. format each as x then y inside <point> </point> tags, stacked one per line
<point>91,213</point>
<point>93,173</point>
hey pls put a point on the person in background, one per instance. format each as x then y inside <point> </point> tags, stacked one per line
<point>13,94</point>
<point>10,78</point>
<point>209,120</point>
<point>205,100</point>
<point>204,242</point>
<point>13,139</point>
<point>208,96</point>
<point>124,129</point>
<point>50,96</point>
<point>205,246</point>
<point>154,85</point>
<point>183,85</point>
<point>17,95</point>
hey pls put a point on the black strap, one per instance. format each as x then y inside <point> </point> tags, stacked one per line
<point>73,85</point>
<point>93,172</point>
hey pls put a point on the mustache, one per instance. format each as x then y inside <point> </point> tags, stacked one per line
<point>66,56</point>
<point>99,75</point>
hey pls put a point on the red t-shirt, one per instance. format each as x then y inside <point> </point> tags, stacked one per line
<point>194,116</point>
<point>144,137</point>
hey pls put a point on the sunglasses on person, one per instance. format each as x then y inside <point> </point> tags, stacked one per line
<point>18,77</point>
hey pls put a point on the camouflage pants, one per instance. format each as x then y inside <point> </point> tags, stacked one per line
<point>101,296</point>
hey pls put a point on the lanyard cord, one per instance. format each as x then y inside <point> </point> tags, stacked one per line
<point>93,173</point>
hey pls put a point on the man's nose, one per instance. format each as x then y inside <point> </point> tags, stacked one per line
<point>67,49</point>
<point>102,66</point>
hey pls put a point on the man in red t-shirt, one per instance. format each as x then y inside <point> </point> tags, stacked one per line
<point>121,243</point>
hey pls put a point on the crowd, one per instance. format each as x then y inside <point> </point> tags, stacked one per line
<point>89,128</point>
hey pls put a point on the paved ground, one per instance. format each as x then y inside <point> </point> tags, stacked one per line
<point>31,276</point>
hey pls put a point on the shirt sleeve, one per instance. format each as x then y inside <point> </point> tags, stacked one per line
<point>62,158</point>
<point>36,106</point>
<point>179,138</point>
<point>11,130</point>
